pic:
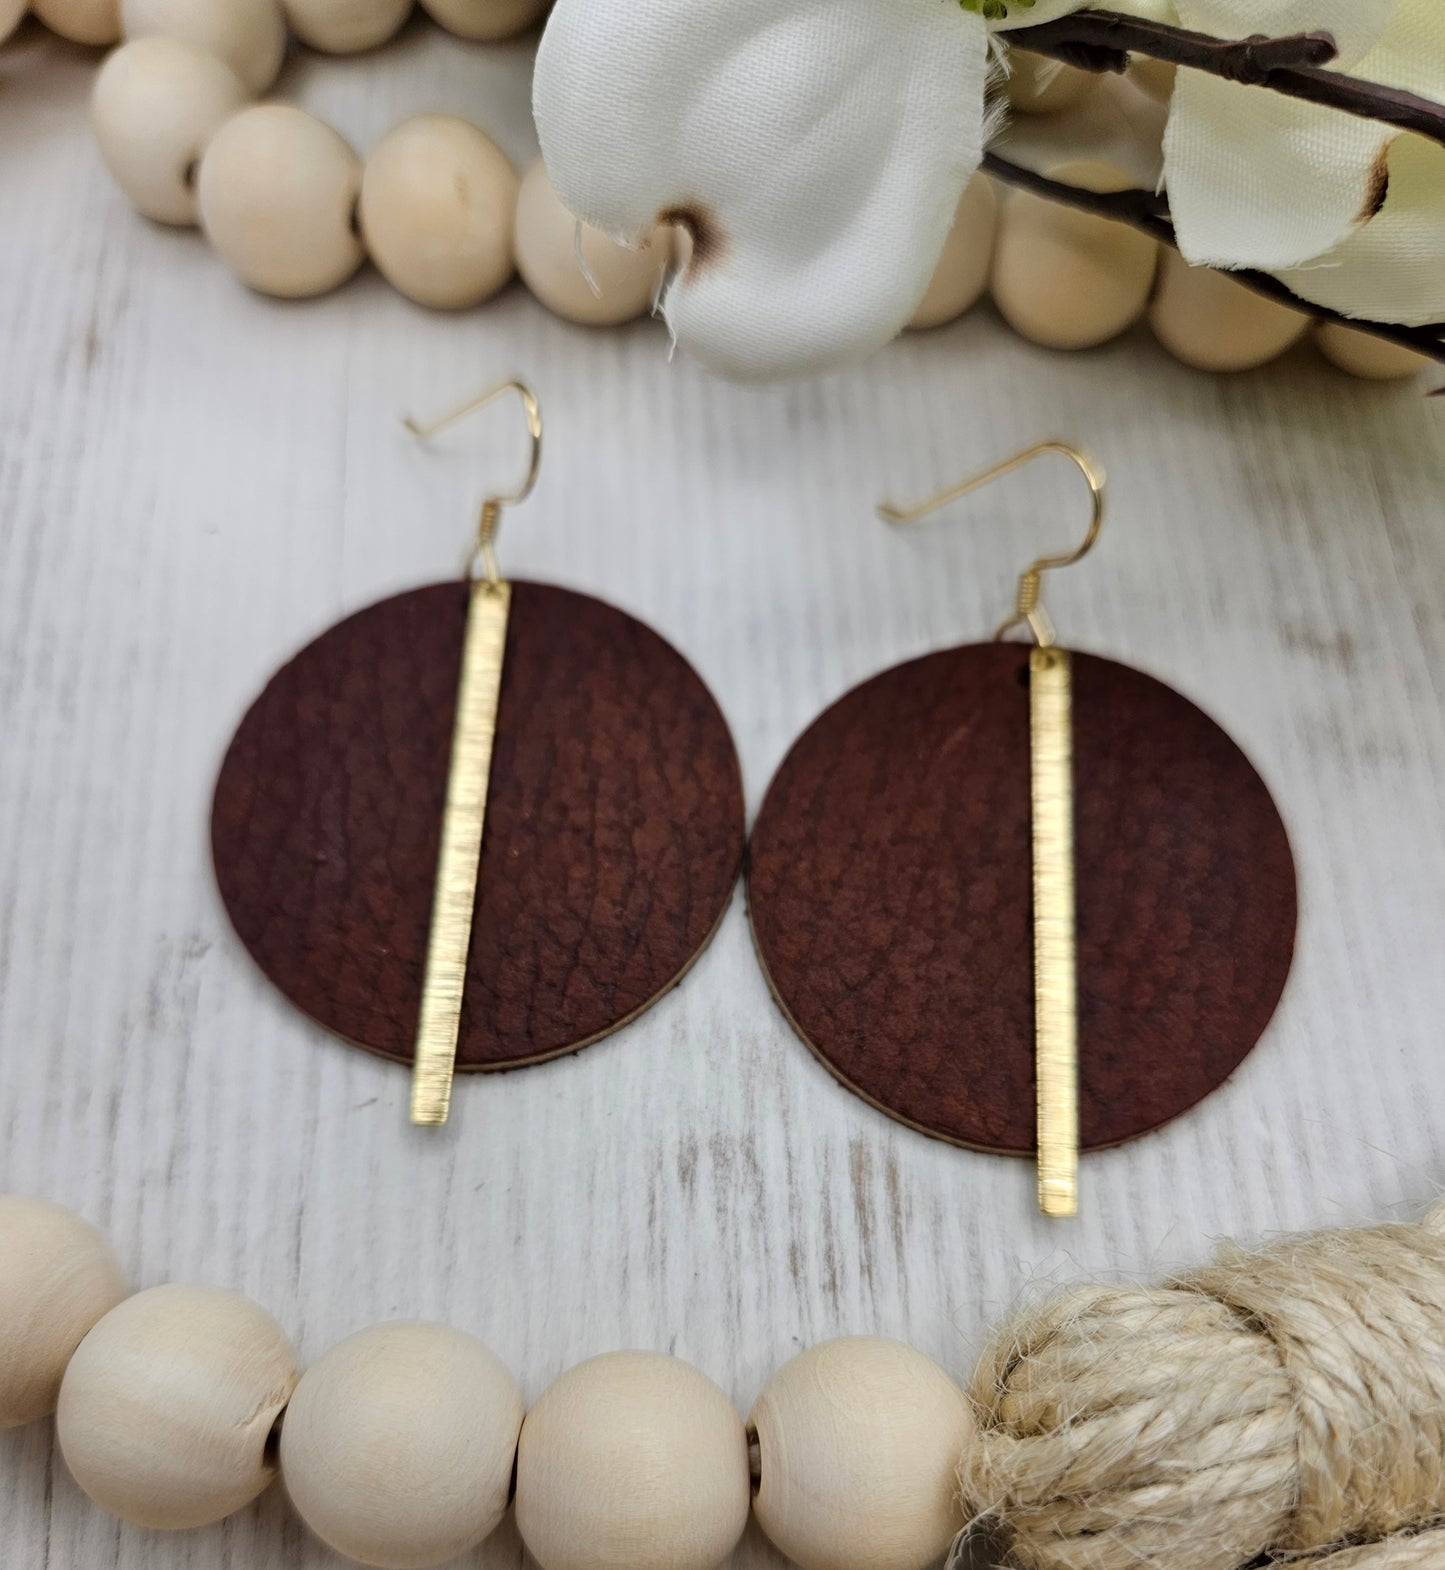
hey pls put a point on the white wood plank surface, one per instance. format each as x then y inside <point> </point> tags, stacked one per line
<point>193,481</point>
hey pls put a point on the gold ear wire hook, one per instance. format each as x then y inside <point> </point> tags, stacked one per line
<point>489,521</point>
<point>1028,606</point>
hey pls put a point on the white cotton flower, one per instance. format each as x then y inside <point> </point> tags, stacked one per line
<point>1391,269</point>
<point>817,149</point>
<point>1259,180</point>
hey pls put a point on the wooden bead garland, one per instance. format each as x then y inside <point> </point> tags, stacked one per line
<point>1209,320</point>
<point>437,199</point>
<point>287,203</point>
<point>345,27</point>
<point>249,35</point>
<point>1061,278</point>
<point>57,1278</point>
<point>857,1444</point>
<point>961,277</point>
<point>398,1445</point>
<point>1068,279</point>
<point>12,13</point>
<point>485,21</point>
<point>632,1461</point>
<point>1285,1401</point>
<point>276,191</point>
<point>156,105</point>
<point>1364,355</point>
<point>167,1407</point>
<point>90,22</point>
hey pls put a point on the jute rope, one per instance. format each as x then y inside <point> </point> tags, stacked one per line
<point>1286,1402</point>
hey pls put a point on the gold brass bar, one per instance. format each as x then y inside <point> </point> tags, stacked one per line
<point>1056,1005</point>
<point>463,819</point>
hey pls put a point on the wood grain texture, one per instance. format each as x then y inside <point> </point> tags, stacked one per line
<point>614,830</point>
<point>194,482</point>
<point>889,886</point>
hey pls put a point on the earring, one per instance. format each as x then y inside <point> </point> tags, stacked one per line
<point>1023,899</point>
<point>481,823</point>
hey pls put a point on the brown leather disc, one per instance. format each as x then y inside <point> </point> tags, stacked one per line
<point>614,828</point>
<point>890,890</point>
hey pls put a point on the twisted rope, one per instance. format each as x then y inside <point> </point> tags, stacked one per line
<point>1285,1401</point>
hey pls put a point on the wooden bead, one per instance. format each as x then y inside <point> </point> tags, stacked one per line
<point>858,1442</point>
<point>1068,279</point>
<point>432,1395</point>
<point>57,1278</point>
<point>1213,322</point>
<point>93,22</point>
<point>1038,85</point>
<point>156,104</point>
<point>12,13</point>
<point>626,281</point>
<point>1153,77</point>
<point>167,1407</point>
<point>346,27</point>
<point>486,20</point>
<point>278,192</point>
<point>438,206</point>
<point>632,1461</point>
<point>962,272</point>
<point>1364,355</point>
<point>249,35</point>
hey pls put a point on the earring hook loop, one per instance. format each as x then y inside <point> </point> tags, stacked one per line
<point>1028,605</point>
<point>490,518</point>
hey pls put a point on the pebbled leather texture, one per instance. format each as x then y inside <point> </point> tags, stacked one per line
<point>614,829</point>
<point>889,886</point>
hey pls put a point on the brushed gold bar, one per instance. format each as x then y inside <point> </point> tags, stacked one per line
<point>1056,1004</point>
<point>463,820</point>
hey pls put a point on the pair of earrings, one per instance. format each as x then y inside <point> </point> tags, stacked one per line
<point>1019,898</point>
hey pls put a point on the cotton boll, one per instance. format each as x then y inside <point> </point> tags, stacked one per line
<point>811,248</point>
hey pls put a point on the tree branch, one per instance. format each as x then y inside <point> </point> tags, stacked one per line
<point>1148,212</point>
<point>1104,40</point>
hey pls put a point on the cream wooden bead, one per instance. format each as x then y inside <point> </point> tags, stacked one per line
<point>858,1442</point>
<point>57,1278</point>
<point>12,12</point>
<point>438,206</point>
<point>167,1407</point>
<point>1214,323</point>
<point>1038,85</point>
<point>93,22</point>
<point>632,1461</point>
<point>346,27</point>
<point>486,20</point>
<point>626,280</point>
<point>249,35</point>
<point>397,1447</point>
<point>1154,77</point>
<point>278,192</point>
<point>1069,279</point>
<point>962,272</point>
<point>1364,355</point>
<point>156,104</point>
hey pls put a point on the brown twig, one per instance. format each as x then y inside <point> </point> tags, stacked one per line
<point>1148,212</point>
<point>1294,66</point>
